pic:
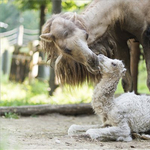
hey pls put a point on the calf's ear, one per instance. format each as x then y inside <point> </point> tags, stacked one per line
<point>124,72</point>
<point>48,37</point>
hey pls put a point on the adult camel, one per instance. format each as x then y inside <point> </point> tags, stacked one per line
<point>72,40</point>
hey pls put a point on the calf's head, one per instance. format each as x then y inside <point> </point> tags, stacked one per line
<point>111,67</point>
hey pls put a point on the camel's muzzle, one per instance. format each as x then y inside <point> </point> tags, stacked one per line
<point>93,64</point>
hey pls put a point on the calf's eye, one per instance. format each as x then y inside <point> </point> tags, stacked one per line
<point>114,64</point>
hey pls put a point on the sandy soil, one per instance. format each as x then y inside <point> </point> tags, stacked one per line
<point>50,132</point>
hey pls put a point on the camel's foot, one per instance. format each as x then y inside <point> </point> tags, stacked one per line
<point>141,136</point>
<point>127,85</point>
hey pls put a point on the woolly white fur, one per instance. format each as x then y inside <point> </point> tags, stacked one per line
<point>120,116</point>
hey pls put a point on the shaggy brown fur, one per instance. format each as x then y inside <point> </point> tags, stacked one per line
<point>104,27</point>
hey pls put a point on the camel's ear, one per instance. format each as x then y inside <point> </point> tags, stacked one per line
<point>48,37</point>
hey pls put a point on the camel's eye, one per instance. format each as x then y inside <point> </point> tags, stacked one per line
<point>114,64</point>
<point>68,51</point>
<point>87,36</point>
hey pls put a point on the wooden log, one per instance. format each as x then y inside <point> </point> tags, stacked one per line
<point>67,109</point>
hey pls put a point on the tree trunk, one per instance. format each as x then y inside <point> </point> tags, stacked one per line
<point>5,62</point>
<point>56,8</point>
<point>52,83</point>
<point>42,17</point>
<point>41,69</point>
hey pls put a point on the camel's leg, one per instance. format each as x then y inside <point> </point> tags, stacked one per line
<point>123,53</point>
<point>145,136</point>
<point>146,47</point>
<point>120,133</point>
<point>141,136</point>
<point>135,56</point>
<point>74,129</point>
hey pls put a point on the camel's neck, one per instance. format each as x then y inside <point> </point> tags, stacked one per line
<point>104,93</point>
<point>100,15</point>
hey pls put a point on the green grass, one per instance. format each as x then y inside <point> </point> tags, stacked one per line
<point>16,94</point>
<point>11,115</point>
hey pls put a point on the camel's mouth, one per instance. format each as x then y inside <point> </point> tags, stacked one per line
<point>93,65</point>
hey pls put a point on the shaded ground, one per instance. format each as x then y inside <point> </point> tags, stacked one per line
<point>50,132</point>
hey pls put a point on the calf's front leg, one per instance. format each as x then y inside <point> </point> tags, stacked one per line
<point>120,133</point>
<point>75,129</point>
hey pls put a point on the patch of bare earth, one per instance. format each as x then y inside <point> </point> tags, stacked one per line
<point>50,132</point>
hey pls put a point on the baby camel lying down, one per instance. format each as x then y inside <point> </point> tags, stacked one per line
<point>122,116</point>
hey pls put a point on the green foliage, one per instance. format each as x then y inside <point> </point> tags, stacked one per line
<point>16,94</point>
<point>28,17</point>
<point>31,4</point>
<point>9,15</point>
<point>11,115</point>
<point>14,18</point>
<point>73,5</point>
<point>37,93</point>
<point>142,78</point>
<point>73,95</point>
<point>26,12</point>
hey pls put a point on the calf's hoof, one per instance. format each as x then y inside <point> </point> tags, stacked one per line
<point>125,139</point>
<point>72,130</point>
<point>93,134</point>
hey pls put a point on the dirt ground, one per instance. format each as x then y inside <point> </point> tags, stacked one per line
<point>50,132</point>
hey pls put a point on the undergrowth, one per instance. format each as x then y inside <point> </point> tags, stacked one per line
<point>17,94</point>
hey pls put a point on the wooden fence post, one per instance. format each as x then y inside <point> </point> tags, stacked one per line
<point>41,68</point>
<point>1,63</point>
<point>5,62</point>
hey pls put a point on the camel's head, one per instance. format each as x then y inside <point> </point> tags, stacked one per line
<point>111,67</point>
<point>67,39</point>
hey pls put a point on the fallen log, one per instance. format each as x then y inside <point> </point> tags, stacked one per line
<point>67,109</point>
